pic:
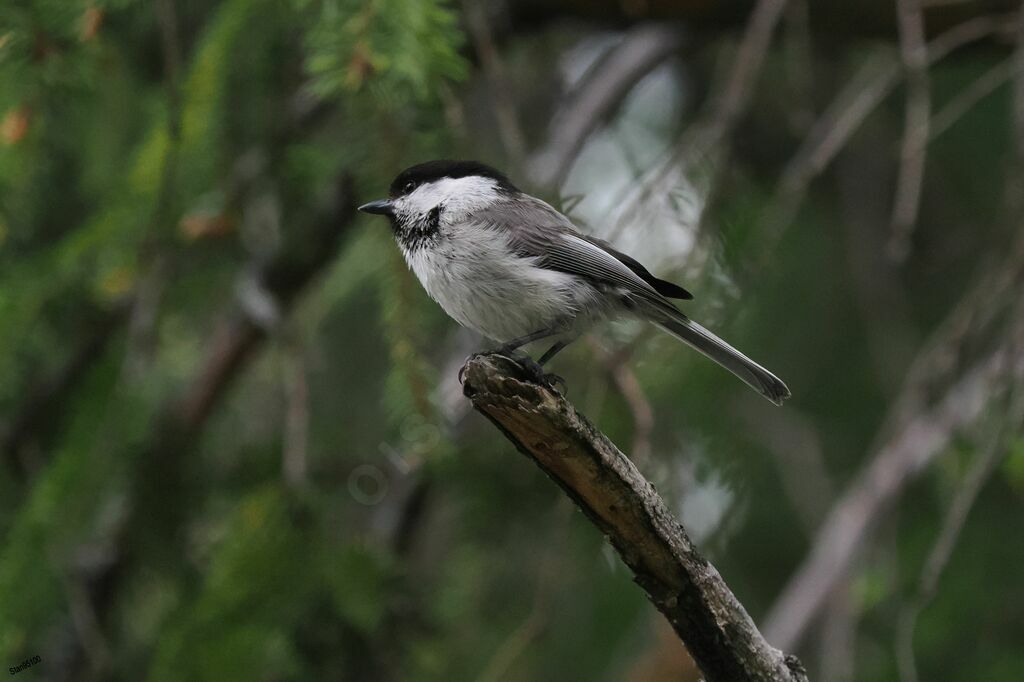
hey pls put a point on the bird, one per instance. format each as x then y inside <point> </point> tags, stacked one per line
<point>514,269</point>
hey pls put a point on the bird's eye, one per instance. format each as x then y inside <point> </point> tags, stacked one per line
<point>409,186</point>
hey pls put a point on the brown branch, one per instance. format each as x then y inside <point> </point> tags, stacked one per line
<point>689,591</point>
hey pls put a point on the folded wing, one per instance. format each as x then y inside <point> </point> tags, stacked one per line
<point>537,230</point>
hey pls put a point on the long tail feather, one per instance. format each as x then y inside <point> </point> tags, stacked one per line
<point>756,376</point>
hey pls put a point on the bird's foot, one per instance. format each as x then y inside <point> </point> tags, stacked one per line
<point>536,372</point>
<point>533,370</point>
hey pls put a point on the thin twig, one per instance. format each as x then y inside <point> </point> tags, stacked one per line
<point>737,91</point>
<point>509,129</point>
<point>917,116</point>
<point>894,465</point>
<point>294,459</point>
<point>983,86</point>
<point>167,18</point>
<point>600,92</point>
<point>716,129</point>
<point>844,116</point>
<point>152,263</point>
<point>796,448</point>
<point>88,629</point>
<point>970,320</point>
<point>700,144</point>
<point>514,645</point>
<point>1015,179</point>
<point>938,558</point>
<point>749,60</point>
<point>799,64</point>
<point>838,634</point>
<point>540,612</point>
<point>624,378</point>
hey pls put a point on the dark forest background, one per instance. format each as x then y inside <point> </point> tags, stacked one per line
<point>233,443</point>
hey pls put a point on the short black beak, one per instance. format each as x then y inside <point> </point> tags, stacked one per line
<point>380,207</point>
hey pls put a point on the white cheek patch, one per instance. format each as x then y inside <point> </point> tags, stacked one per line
<point>460,196</point>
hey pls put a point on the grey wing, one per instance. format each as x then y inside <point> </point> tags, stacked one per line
<point>537,230</point>
<point>663,287</point>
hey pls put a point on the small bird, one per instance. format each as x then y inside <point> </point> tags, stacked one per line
<point>514,269</point>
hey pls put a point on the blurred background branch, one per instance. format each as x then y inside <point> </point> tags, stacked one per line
<point>922,433</point>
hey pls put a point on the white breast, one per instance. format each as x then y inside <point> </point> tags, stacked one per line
<point>472,273</point>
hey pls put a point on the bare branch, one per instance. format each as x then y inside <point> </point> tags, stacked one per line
<point>632,392</point>
<point>509,129</point>
<point>596,97</point>
<point>982,87</point>
<point>1014,200</point>
<point>799,62</point>
<point>915,128</point>
<point>895,464</point>
<point>837,648</point>
<point>956,517</point>
<point>548,572</point>
<point>715,127</point>
<point>795,445</point>
<point>707,617</point>
<point>294,457</point>
<point>749,60</point>
<point>701,144</point>
<point>848,110</point>
<point>920,435</point>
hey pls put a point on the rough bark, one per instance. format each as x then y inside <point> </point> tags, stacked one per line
<point>604,483</point>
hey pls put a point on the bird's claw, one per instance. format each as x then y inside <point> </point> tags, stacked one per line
<point>533,370</point>
<point>555,382</point>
